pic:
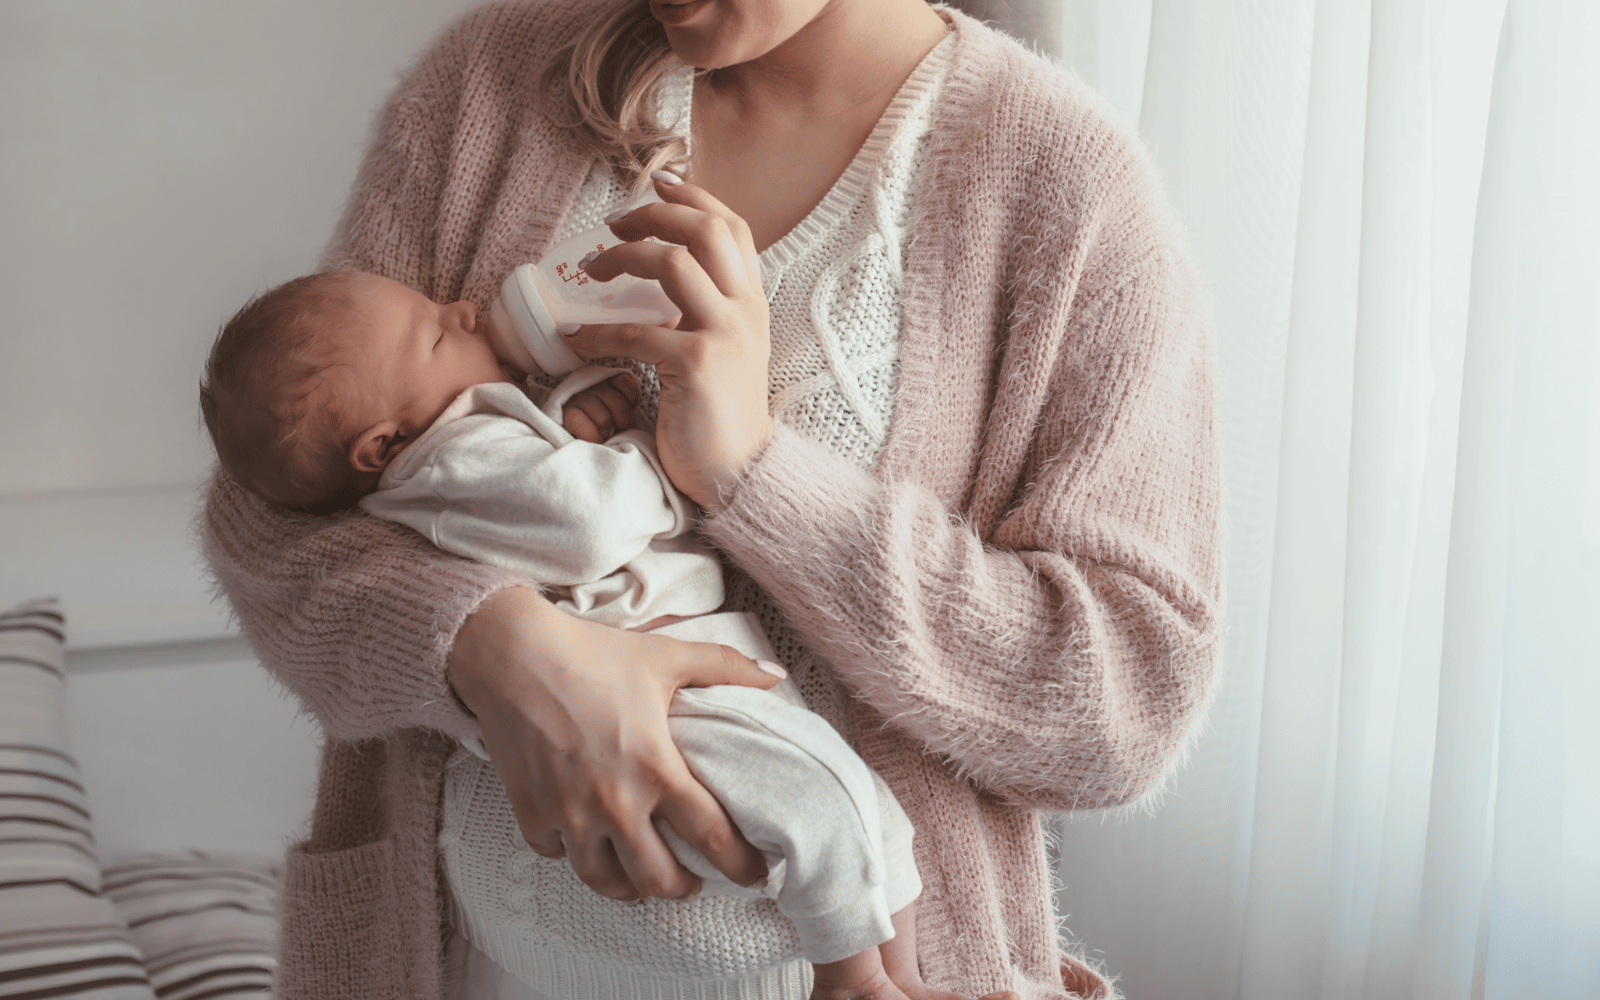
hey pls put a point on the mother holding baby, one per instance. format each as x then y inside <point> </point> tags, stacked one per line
<point>942,385</point>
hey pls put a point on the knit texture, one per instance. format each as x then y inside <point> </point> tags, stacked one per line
<point>568,939</point>
<point>1021,594</point>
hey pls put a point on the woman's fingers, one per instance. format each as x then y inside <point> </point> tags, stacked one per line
<point>596,864</point>
<point>710,239</point>
<point>607,837</point>
<point>650,866</point>
<point>713,419</point>
<point>685,804</point>
<point>652,345</point>
<point>682,275</point>
<point>700,820</point>
<point>676,191</point>
<point>536,832</point>
<point>704,664</point>
<point>574,715</point>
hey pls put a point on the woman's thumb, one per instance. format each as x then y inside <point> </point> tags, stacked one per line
<point>726,665</point>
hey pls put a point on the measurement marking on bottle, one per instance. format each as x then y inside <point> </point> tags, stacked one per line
<point>565,274</point>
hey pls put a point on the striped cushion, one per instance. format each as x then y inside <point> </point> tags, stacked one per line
<point>59,936</point>
<point>207,924</point>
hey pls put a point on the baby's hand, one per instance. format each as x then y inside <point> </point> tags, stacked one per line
<point>597,413</point>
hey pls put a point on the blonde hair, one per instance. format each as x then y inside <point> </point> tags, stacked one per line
<point>606,80</point>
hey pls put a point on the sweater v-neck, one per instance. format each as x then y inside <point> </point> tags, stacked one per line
<point>847,189</point>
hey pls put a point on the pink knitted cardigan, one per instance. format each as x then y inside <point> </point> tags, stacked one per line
<point>1022,596</point>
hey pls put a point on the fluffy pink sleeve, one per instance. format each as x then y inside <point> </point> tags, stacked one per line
<point>353,614</point>
<point>1061,651</point>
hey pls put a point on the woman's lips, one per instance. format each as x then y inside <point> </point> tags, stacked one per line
<point>668,12</point>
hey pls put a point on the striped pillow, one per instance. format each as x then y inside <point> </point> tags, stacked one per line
<point>59,937</point>
<point>207,924</point>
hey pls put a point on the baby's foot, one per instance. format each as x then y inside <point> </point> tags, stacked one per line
<point>859,977</point>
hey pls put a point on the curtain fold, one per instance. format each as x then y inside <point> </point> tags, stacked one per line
<point>1399,794</point>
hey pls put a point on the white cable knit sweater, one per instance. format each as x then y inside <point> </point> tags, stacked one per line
<point>834,288</point>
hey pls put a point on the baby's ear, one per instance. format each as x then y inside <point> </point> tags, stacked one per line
<point>377,446</point>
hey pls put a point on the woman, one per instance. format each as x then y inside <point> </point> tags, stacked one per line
<point>982,527</point>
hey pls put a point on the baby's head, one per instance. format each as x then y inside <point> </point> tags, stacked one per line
<point>314,387</point>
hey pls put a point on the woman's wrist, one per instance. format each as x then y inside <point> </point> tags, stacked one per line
<point>480,661</point>
<point>727,483</point>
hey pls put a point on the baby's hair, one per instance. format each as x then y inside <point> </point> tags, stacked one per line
<point>256,395</point>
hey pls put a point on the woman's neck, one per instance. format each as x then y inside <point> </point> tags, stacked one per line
<point>772,135</point>
<point>854,54</point>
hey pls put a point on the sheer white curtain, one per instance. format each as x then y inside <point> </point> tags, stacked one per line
<point>1399,793</point>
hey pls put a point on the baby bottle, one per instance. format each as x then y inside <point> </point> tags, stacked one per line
<point>537,298</point>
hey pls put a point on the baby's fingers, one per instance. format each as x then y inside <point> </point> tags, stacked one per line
<point>587,423</point>
<point>596,414</point>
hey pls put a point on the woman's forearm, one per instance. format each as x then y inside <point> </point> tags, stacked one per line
<point>1061,657</point>
<point>479,666</point>
<point>1053,681</point>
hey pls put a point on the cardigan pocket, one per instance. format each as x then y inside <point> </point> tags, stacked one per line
<point>339,936</point>
<point>1083,981</point>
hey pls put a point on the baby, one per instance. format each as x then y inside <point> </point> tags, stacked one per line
<point>344,388</point>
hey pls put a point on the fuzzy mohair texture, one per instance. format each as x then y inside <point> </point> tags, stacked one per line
<point>1022,596</point>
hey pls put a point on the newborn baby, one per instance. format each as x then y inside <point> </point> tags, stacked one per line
<point>345,388</point>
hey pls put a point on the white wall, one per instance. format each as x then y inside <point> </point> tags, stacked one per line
<point>161,161</point>
<point>181,750</point>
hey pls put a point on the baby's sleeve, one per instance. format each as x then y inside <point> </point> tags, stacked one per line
<point>901,882</point>
<point>495,490</point>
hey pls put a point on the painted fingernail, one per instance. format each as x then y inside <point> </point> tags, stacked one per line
<point>665,177</point>
<point>768,667</point>
<point>614,216</point>
<point>568,329</point>
<point>588,259</point>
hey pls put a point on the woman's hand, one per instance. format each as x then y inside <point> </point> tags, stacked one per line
<point>574,715</point>
<point>712,419</point>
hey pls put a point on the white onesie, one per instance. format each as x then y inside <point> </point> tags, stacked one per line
<point>498,479</point>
